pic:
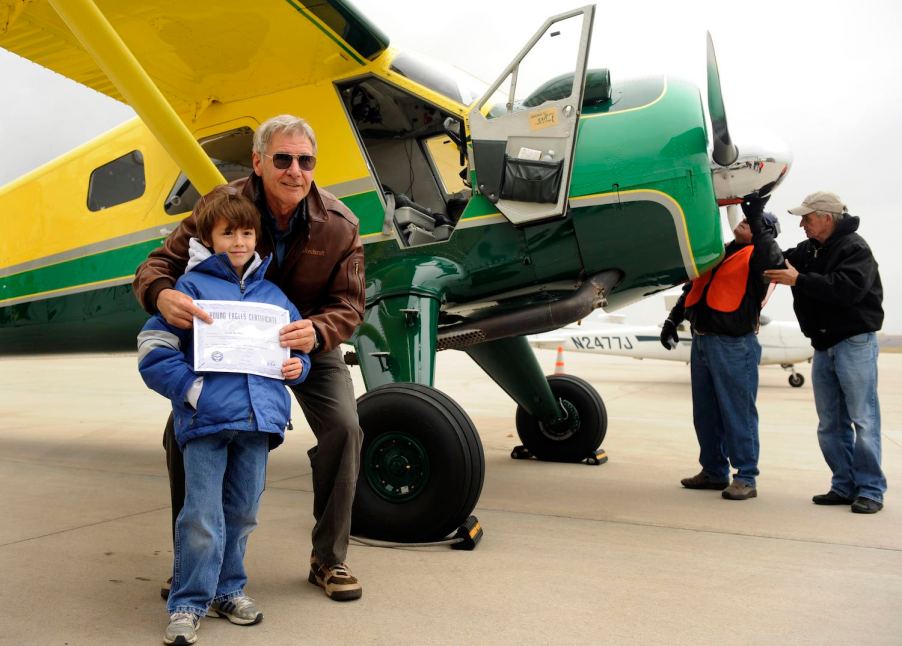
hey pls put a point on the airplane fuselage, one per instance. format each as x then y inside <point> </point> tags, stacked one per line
<point>641,202</point>
<point>782,342</point>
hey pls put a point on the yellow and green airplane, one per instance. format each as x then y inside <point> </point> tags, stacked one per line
<point>488,213</point>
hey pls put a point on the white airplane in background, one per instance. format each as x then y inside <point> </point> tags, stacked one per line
<point>782,342</point>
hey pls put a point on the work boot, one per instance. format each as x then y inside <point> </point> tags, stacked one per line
<point>704,480</point>
<point>866,506</point>
<point>831,498</point>
<point>739,490</point>
<point>336,580</point>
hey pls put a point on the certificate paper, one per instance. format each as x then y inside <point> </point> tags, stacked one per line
<point>244,337</point>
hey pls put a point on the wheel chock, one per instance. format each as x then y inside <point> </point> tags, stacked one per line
<point>596,457</point>
<point>468,535</point>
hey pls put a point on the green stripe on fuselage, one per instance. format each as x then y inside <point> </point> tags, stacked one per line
<point>72,274</point>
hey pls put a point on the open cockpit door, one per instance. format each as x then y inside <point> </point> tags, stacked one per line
<point>524,128</point>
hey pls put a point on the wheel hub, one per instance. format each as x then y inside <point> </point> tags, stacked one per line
<point>396,467</point>
<point>564,428</point>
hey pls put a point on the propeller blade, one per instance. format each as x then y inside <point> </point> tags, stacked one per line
<point>725,151</point>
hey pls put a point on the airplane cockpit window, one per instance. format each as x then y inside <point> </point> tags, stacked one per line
<point>440,77</point>
<point>230,151</point>
<point>118,181</point>
<point>417,155</point>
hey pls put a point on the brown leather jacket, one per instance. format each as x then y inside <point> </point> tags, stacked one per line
<point>322,273</point>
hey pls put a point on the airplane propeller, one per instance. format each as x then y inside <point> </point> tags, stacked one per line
<point>725,151</point>
<point>760,168</point>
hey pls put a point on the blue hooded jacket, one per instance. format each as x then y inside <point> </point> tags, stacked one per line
<point>227,401</point>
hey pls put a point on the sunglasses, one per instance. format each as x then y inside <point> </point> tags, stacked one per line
<point>282,161</point>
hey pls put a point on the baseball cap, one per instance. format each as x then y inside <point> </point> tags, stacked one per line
<point>820,201</point>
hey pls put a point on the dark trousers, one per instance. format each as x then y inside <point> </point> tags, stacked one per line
<point>327,399</point>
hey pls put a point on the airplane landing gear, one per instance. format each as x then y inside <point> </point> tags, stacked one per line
<point>574,437</point>
<point>795,379</point>
<point>421,465</point>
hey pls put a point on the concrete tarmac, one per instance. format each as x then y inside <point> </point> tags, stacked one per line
<point>572,554</point>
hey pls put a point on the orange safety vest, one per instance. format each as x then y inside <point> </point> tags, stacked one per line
<point>728,283</point>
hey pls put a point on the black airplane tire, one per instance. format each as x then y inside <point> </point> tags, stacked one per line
<point>422,465</point>
<point>796,380</point>
<point>576,440</point>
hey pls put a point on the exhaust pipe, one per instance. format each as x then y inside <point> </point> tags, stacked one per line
<point>535,319</point>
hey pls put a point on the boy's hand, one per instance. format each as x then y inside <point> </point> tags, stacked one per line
<point>298,335</point>
<point>291,369</point>
<point>179,310</point>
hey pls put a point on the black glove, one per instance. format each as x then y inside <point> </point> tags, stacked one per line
<point>669,337</point>
<point>753,205</point>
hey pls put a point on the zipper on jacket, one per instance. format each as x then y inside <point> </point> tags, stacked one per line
<point>241,284</point>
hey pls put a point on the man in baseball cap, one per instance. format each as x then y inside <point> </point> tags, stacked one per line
<point>837,297</point>
<point>820,201</point>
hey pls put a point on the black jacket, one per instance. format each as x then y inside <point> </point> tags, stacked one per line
<point>838,293</point>
<point>766,255</point>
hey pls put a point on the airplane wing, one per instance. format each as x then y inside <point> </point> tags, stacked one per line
<point>201,52</point>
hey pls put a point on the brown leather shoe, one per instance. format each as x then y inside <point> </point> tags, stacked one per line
<point>704,480</point>
<point>336,580</point>
<point>739,490</point>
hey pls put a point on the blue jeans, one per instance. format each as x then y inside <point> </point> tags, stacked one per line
<point>844,379</point>
<point>724,387</point>
<point>224,477</point>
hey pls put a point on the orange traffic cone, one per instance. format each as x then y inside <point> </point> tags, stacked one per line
<point>559,362</point>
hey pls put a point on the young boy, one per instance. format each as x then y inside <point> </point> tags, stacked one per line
<point>225,422</point>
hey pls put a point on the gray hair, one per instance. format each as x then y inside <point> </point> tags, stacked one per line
<point>284,123</point>
<point>835,216</point>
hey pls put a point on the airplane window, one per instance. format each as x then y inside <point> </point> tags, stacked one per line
<point>445,79</point>
<point>230,151</point>
<point>445,158</point>
<point>546,71</point>
<point>118,181</point>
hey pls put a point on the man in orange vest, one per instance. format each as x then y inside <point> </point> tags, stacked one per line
<point>723,306</point>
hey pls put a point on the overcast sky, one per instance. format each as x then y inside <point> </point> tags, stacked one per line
<point>824,77</point>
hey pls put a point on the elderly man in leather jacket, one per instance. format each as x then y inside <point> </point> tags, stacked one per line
<point>318,263</point>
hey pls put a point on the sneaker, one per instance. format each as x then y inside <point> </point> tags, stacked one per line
<point>182,628</point>
<point>704,480</point>
<point>739,490</point>
<point>239,610</point>
<point>866,506</point>
<point>336,580</point>
<point>831,498</point>
<point>165,588</point>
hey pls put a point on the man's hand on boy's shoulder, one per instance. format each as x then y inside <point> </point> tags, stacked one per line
<point>292,368</point>
<point>179,309</point>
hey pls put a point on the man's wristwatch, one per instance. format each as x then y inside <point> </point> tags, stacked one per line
<point>315,341</point>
